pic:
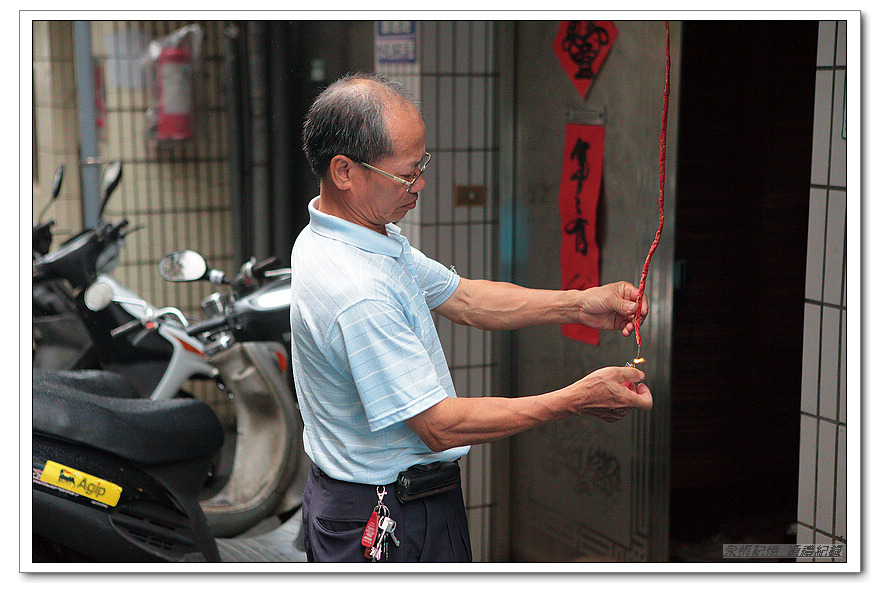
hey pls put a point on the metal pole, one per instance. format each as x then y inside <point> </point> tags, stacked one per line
<point>259,117</point>
<point>89,161</point>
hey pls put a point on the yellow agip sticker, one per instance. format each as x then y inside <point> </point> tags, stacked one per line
<point>81,483</point>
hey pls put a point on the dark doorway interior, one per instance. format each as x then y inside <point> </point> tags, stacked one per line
<point>747,93</point>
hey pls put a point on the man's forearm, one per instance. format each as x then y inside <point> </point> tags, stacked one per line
<point>607,393</point>
<point>469,421</point>
<point>502,306</point>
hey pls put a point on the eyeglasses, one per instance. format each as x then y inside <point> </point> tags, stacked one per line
<point>423,163</point>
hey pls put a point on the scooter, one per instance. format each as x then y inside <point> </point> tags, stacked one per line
<point>267,471</point>
<point>116,478</point>
<point>153,351</point>
<point>69,335</point>
<point>60,337</point>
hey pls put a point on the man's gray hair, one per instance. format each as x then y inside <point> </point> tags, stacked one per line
<point>348,118</point>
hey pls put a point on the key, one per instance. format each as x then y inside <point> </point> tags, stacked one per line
<point>378,548</point>
<point>388,525</point>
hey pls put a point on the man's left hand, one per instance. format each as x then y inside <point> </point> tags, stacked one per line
<point>611,307</point>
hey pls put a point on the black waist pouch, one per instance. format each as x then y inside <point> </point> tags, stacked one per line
<point>422,481</point>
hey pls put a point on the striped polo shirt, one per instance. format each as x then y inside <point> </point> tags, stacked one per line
<point>365,352</point>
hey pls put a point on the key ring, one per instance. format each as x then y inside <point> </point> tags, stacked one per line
<point>380,493</point>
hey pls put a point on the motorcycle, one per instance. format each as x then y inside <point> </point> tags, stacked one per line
<point>151,348</point>
<point>69,335</point>
<point>267,474</point>
<point>60,337</point>
<point>116,477</point>
<point>246,342</point>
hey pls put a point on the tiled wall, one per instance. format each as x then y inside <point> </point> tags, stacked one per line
<point>822,488</point>
<point>177,194</point>
<point>455,80</point>
<point>56,124</point>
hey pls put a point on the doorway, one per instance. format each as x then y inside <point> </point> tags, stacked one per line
<point>746,118</point>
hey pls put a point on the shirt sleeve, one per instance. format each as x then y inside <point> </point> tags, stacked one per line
<point>390,365</point>
<point>436,280</point>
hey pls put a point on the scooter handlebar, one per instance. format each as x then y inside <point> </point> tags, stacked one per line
<point>126,328</point>
<point>260,268</point>
<point>206,326</point>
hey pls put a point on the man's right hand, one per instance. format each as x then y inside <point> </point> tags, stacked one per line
<point>610,393</point>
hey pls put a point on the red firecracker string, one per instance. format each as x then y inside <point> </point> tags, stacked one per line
<point>641,293</point>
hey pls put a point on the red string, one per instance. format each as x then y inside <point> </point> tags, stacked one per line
<point>641,293</point>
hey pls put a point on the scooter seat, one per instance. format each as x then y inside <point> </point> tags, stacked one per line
<point>140,430</point>
<point>91,381</point>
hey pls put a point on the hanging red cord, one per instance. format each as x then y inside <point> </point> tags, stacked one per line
<point>641,293</point>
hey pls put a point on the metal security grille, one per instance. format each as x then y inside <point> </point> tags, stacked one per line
<point>175,192</point>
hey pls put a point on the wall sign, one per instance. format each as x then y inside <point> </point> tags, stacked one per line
<point>396,42</point>
<point>581,47</point>
<point>578,197</point>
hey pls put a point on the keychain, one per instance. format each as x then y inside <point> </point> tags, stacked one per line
<point>373,538</point>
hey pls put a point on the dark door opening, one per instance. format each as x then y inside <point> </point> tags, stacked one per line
<point>745,143</point>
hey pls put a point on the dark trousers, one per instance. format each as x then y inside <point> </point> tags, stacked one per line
<point>335,514</point>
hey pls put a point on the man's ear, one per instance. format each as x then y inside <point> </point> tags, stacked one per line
<point>340,172</point>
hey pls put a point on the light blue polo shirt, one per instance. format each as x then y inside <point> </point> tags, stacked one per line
<point>365,352</point>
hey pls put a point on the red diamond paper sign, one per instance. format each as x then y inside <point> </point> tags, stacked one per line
<point>582,47</point>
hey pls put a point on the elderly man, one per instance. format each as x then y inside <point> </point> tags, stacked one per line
<point>383,425</point>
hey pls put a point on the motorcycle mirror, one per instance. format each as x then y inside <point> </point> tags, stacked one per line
<point>56,189</point>
<point>112,175</point>
<point>98,296</point>
<point>56,182</point>
<point>183,266</point>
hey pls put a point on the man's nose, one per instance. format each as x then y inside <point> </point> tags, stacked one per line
<point>418,186</point>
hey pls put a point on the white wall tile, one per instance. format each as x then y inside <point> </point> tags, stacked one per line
<point>815,244</point>
<point>824,540</point>
<point>805,535</point>
<point>444,183</point>
<point>429,111</point>
<point>445,112</point>
<point>843,393</point>
<point>810,366</point>
<point>825,50</point>
<point>807,472</point>
<point>476,376</point>
<point>479,47</point>
<point>838,143</point>
<point>840,498</point>
<point>445,53</point>
<point>821,127</point>
<point>834,247</point>
<point>428,45</point>
<point>478,251</point>
<point>479,126</point>
<point>461,122</point>
<point>826,476</point>
<point>830,359</point>
<point>462,51</point>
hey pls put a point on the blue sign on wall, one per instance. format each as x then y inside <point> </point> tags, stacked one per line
<point>396,42</point>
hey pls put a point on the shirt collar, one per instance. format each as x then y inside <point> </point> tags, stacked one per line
<point>336,228</point>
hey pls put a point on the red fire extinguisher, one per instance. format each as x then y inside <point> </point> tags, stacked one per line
<point>175,101</point>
